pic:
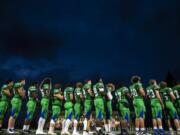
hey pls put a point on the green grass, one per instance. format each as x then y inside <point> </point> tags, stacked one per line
<point>19,132</point>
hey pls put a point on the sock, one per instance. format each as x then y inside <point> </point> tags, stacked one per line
<point>42,124</point>
<point>39,124</point>
<point>85,124</point>
<point>137,129</point>
<point>75,127</point>
<point>170,129</point>
<point>98,128</point>
<point>160,127</point>
<point>106,127</point>
<point>68,122</point>
<point>63,124</point>
<point>109,127</point>
<point>27,127</point>
<point>51,127</point>
<point>24,127</point>
<point>142,129</point>
<point>155,128</point>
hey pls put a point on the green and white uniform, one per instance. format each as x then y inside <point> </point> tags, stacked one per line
<point>138,101</point>
<point>31,104</point>
<point>123,105</point>
<point>108,104</point>
<point>77,106</point>
<point>169,107</point>
<point>4,102</point>
<point>88,100</point>
<point>176,91</point>
<point>45,91</point>
<point>68,103</point>
<point>16,102</point>
<point>155,103</point>
<point>56,105</point>
<point>99,92</point>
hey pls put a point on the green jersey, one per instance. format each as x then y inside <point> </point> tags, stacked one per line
<point>3,95</point>
<point>16,93</point>
<point>32,90</point>
<point>165,93</point>
<point>67,92</point>
<point>56,101</point>
<point>77,95</point>
<point>85,91</point>
<point>98,90</point>
<point>134,89</point>
<point>151,91</point>
<point>176,91</point>
<point>45,90</point>
<point>121,94</point>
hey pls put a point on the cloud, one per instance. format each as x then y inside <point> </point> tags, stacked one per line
<point>18,40</point>
<point>26,68</point>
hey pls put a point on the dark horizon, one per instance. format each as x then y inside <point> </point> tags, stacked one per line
<point>73,41</point>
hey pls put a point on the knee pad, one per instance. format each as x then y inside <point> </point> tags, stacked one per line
<point>13,113</point>
<point>141,114</point>
<point>108,115</point>
<point>42,115</point>
<point>53,118</point>
<point>28,116</point>
<point>100,116</point>
<point>176,116</point>
<point>126,117</point>
<point>159,116</point>
<point>69,116</point>
<point>87,115</point>
<point>77,117</point>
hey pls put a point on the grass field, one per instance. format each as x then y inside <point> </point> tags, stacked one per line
<point>19,132</point>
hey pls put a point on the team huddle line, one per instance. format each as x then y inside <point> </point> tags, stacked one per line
<point>163,99</point>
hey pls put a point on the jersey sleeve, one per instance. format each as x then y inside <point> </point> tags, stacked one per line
<point>156,87</point>
<point>169,90</point>
<point>78,91</point>
<point>55,91</point>
<point>125,90</point>
<point>116,94</point>
<point>138,86</point>
<point>71,90</point>
<point>88,86</point>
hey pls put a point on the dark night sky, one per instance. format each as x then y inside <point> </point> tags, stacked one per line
<point>73,40</point>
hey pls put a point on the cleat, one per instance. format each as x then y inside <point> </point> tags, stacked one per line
<point>40,133</point>
<point>162,132</point>
<point>155,132</point>
<point>137,133</point>
<point>25,132</point>
<point>100,132</point>
<point>52,133</point>
<point>75,133</point>
<point>110,133</point>
<point>65,133</point>
<point>11,131</point>
<point>62,132</point>
<point>85,133</point>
